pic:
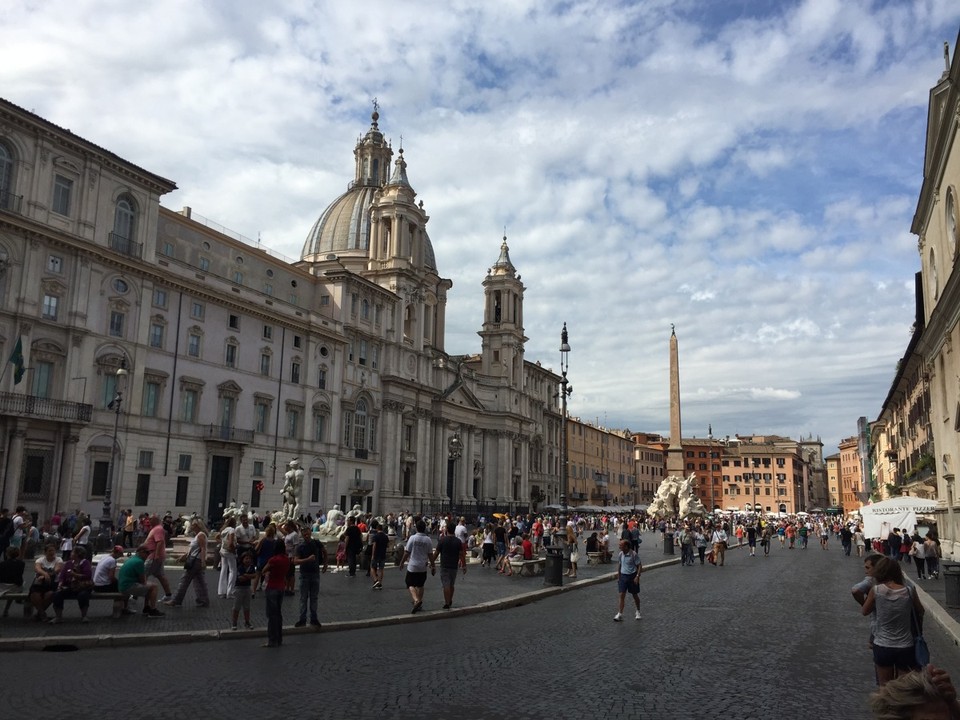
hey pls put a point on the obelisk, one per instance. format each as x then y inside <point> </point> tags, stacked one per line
<point>675,448</point>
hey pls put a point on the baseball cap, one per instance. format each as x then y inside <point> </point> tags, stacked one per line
<point>118,549</point>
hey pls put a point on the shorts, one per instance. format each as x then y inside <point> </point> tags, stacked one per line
<point>241,598</point>
<point>154,568</point>
<point>137,590</point>
<point>378,563</point>
<point>109,587</point>
<point>416,579</point>
<point>628,584</point>
<point>448,577</point>
<point>900,658</point>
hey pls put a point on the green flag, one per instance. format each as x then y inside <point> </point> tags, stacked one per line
<point>17,359</point>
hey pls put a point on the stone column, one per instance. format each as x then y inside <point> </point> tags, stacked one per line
<point>14,469</point>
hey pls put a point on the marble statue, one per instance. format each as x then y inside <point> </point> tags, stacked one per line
<point>356,513</point>
<point>292,486</point>
<point>231,511</point>
<point>335,519</point>
<point>673,491</point>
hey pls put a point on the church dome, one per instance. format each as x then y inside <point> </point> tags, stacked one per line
<point>344,227</point>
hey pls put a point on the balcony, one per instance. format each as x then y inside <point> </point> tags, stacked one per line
<point>600,495</point>
<point>44,408</point>
<point>361,487</point>
<point>224,433</point>
<point>10,202</point>
<point>578,496</point>
<point>125,246</point>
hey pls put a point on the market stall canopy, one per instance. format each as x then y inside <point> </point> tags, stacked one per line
<point>900,512</point>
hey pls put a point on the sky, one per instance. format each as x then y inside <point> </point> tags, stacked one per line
<point>745,170</point>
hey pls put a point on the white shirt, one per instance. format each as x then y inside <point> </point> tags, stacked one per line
<point>420,548</point>
<point>246,535</point>
<point>461,532</point>
<point>228,541</point>
<point>101,576</point>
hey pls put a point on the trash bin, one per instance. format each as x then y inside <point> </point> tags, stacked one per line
<point>668,543</point>
<point>951,583</point>
<point>553,565</point>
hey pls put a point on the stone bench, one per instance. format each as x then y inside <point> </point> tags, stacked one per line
<point>24,597</point>
<point>528,567</point>
<point>595,558</point>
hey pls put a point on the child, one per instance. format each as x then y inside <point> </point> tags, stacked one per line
<point>341,555</point>
<point>246,574</point>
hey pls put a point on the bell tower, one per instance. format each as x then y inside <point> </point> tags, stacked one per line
<point>502,334</point>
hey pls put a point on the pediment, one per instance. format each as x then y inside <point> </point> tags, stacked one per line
<point>229,387</point>
<point>461,395</point>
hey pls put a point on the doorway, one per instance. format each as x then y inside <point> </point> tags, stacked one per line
<point>219,486</point>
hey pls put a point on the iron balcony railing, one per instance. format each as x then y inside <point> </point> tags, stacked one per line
<point>125,246</point>
<point>10,202</point>
<point>362,487</point>
<point>224,433</point>
<point>47,408</point>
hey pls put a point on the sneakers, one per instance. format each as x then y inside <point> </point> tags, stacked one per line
<point>618,617</point>
<point>248,626</point>
<point>171,603</point>
<point>152,613</point>
<point>300,623</point>
<point>233,627</point>
<point>84,619</point>
<point>637,616</point>
<point>315,623</point>
<point>166,598</point>
<point>377,586</point>
<point>417,606</point>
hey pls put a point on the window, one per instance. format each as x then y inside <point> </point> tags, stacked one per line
<point>233,322</point>
<point>204,264</point>
<point>193,345</point>
<point>261,411</point>
<point>238,277</point>
<point>268,332</point>
<point>156,335</point>
<point>264,363</point>
<point>375,357</point>
<point>188,405</point>
<point>196,310</point>
<point>42,379</point>
<point>62,189</point>
<point>183,483</point>
<point>295,372</point>
<point>145,459</point>
<point>363,352</point>
<point>360,424</point>
<point>98,479</point>
<point>365,309</point>
<point>267,289</point>
<point>315,490</point>
<point>255,494</point>
<point>350,351</point>
<point>293,422</point>
<point>6,176</point>
<point>143,490</point>
<point>354,300</point>
<point>124,218</point>
<point>319,426</point>
<point>230,359</point>
<point>324,300</point>
<point>159,297</point>
<point>50,303</point>
<point>258,468</point>
<point>151,398</point>
<point>322,379</point>
<point>109,389</point>
<point>116,323</point>
<point>54,262</point>
<point>297,342</point>
<point>167,249</point>
<point>185,462</point>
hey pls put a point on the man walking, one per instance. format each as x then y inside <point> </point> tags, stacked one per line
<point>156,544</point>
<point>628,579</point>
<point>418,554</point>
<point>378,541</point>
<point>453,556</point>
<point>308,556</point>
<point>719,540</point>
<point>353,540</point>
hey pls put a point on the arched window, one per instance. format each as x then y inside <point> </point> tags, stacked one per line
<point>6,176</point>
<point>124,218</point>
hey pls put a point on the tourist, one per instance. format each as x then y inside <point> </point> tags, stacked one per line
<point>452,552</point>
<point>919,554</point>
<point>418,554</point>
<point>194,568</point>
<point>132,581</point>
<point>719,540</point>
<point>353,541</point>
<point>859,540</point>
<point>574,549</point>
<point>11,575</point>
<point>378,540</point>
<point>228,558</point>
<point>931,549</point>
<point>291,541</point>
<point>156,542</point>
<point>276,571</point>
<point>752,539</point>
<point>309,555</point>
<point>82,539</point>
<point>105,578</point>
<point>246,535</point>
<point>628,578</point>
<point>46,571</point>
<point>895,604</point>
<point>246,575</point>
<point>488,548</point>
<point>922,695</point>
<point>129,523</point>
<point>74,583</point>
<point>264,551</point>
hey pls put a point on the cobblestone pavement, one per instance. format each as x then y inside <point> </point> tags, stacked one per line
<point>759,638</point>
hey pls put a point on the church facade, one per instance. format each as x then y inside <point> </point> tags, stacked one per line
<point>236,360</point>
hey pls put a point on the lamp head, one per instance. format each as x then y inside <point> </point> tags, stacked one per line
<point>564,340</point>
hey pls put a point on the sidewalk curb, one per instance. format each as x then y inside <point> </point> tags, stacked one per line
<point>68,643</point>
<point>950,626</point>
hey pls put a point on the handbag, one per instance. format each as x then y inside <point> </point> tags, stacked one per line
<point>920,650</point>
<point>191,562</point>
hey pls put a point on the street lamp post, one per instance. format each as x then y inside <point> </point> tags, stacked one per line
<point>106,520</point>
<point>454,449</point>
<point>566,389</point>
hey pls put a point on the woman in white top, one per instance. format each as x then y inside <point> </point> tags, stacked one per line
<point>859,541</point>
<point>919,554</point>
<point>893,651</point>
<point>82,538</point>
<point>47,568</point>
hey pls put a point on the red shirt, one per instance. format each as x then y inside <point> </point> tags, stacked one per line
<point>527,550</point>
<point>277,567</point>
